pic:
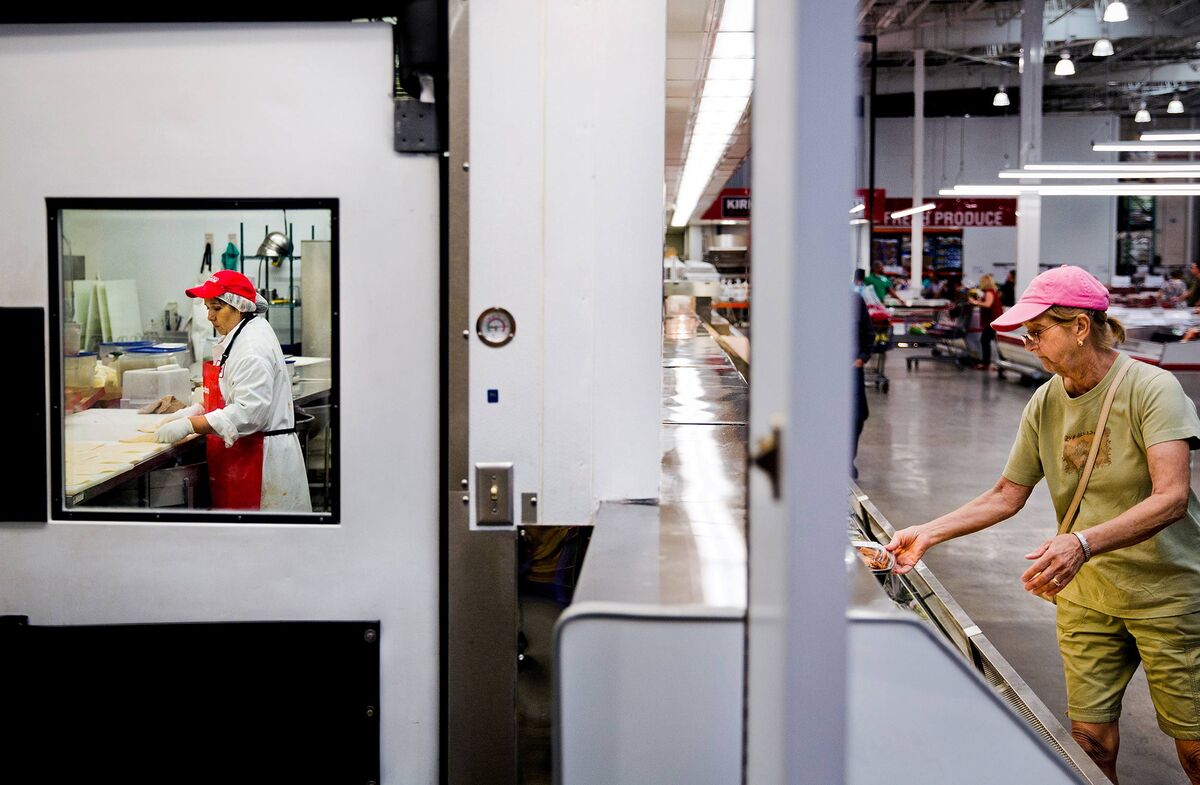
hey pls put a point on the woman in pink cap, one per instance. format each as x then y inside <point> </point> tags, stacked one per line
<point>254,456</point>
<point>1125,569</point>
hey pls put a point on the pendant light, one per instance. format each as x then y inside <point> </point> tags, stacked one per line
<point>1102,48</point>
<point>1143,115</point>
<point>1176,106</point>
<point>1116,12</point>
<point>1001,97</point>
<point>1065,67</point>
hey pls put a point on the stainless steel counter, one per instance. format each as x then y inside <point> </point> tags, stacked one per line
<point>649,667</point>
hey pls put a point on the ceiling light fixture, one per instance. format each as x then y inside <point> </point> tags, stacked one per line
<point>1170,136</point>
<point>1176,106</point>
<point>1121,167</point>
<point>1146,147</point>
<point>924,208</point>
<point>1102,48</point>
<point>1116,12</point>
<point>726,94</point>
<point>1100,189</point>
<point>858,208</point>
<point>1000,98</point>
<point>1064,66</point>
<point>1143,114</point>
<point>1023,174</point>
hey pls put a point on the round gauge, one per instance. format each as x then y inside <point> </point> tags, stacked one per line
<point>496,327</point>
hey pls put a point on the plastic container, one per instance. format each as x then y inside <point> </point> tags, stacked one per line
<point>140,357</point>
<point>79,369</point>
<point>877,558</point>
<point>71,336</point>
<point>146,385</point>
<point>109,348</point>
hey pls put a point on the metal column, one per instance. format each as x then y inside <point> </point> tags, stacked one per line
<point>917,258</point>
<point>804,122</point>
<point>479,727</point>
<point>1029,206</point>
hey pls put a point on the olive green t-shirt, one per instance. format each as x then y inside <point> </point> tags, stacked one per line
<point>1159,576</point>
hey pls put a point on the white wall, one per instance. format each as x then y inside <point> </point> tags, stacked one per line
<point>1075,230</point>
<point>161,250</point>
<point>161,111</point>
<point>567,112</point>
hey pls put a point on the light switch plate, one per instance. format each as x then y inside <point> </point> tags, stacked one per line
<point>494,494</point>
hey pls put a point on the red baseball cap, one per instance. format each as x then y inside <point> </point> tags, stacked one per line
<point>222,282</point>
<point>1073,287</point>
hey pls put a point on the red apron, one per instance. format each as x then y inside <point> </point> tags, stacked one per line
<point>234,473</point>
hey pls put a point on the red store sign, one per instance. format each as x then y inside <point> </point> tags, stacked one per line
<point>956,213</point>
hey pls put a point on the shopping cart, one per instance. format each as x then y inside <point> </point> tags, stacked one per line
<point>881,322</point>
<point>943,331</point>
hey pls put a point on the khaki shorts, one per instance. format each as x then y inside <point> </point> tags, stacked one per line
<point>1101,653</point>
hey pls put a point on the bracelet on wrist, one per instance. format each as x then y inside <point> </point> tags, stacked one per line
<point>1087,549</point>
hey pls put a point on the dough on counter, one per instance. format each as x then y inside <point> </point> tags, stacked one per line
<point>151,427</point>
<point>145,437</point>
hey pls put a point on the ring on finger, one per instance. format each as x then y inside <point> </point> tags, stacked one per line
<point>1055,581</point>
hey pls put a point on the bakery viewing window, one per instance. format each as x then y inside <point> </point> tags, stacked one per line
<point>193,363</point>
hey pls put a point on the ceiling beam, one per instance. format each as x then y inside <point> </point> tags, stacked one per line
<point>916,14</point>
<point>957,77</point>
<point>866,9</point>
<point>1078,24</point>
<point>891,15</point>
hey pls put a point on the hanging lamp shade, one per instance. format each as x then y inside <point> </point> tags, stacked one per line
<point>1143,114</point>
<point>1176,106</point>
<point>1064,67</point>
<point>1102,48</point>
<point>1116,12</point>
<point>1000,98</point>
<point>275,244</point>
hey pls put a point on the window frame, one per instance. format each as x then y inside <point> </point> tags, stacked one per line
<point>58,509</point>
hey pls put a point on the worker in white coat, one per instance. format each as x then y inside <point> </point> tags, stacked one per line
<point>254,456</point>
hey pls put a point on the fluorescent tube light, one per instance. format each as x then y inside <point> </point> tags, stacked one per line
<point>734,45</point>
<point>1021,174</point>
<point>726,68</point>
<point>858,208</point>
<point>1121,167</point>
<point>1102,48</point>
<point>741,88</point>
<point>1171,136</point>
<point>857,221</point>
<point>1146,147</point>
<point>1116,12</point>
<point>738,16</point>
<point>924,208</point>
<point>1116,189</point>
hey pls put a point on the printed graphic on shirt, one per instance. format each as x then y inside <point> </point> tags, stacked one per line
<point>1077,447</point>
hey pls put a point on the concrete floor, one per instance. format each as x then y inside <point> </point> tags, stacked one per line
<point>936,440</point>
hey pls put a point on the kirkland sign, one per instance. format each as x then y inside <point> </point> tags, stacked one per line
<point>956,213</point>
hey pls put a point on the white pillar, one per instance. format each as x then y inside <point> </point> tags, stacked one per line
<point>918,190</point>
<point>695,242</point>
<point>1029,206</point>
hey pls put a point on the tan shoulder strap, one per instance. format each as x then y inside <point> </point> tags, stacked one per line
<point>1069,518</point>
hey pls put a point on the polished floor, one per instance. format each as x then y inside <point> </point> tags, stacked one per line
<point>937,439</point>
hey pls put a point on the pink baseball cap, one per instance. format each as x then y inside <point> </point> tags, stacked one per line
<point>1068,285</point>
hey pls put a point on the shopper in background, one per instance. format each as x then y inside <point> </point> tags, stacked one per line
<point>1193,292</point>
<point>990,308</point>
<point>1127,577</point>
<point>866,342</point>
<point>866,292</point>
<point>880,282</point>
<point>1008,290</point>
<point>1174,291</point>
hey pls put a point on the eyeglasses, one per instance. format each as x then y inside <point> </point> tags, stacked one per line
<point>1034,338</point>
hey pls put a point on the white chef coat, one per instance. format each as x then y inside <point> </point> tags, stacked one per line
<point>257,390</point>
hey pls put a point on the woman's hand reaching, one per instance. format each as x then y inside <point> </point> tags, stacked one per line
<point>908,546</point>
